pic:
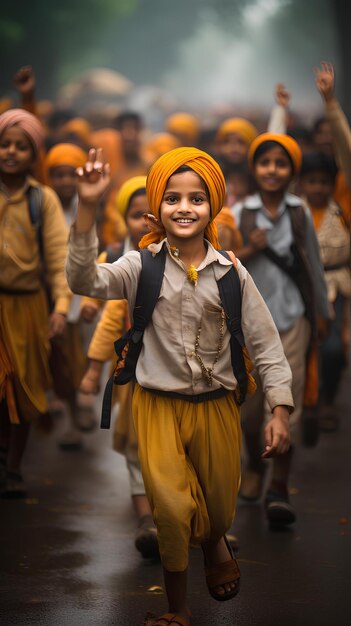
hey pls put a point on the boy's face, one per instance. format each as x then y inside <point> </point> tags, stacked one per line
<point>317,187</point>
<point>16,152</point>
<point>135,221</point>
<point>63,180</point>
<point>233,148</point>
<point>273,171</point>
<point>185,207</point>
<point>323,138</point>
<point>131,137</point>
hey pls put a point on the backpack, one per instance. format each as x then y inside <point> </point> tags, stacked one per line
<point>128,347</point>
<point>35,202</point>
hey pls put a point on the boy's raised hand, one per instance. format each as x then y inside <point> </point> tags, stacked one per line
<point>282,96</point>
<point>325,80</point>
<point>93,179</point>
<point>25,81</point>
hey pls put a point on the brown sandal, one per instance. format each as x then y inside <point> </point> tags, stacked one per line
<point>167,618</point>
<point>222,574</point>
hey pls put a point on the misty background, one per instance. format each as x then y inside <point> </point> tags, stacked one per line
<point>193,54</point>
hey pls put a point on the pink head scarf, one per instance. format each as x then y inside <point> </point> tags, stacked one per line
<point>27,122</point>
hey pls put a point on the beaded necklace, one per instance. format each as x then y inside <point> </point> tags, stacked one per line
<point>207,372</point>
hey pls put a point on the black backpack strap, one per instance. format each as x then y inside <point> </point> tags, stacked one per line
<point>149,287</point>
<point>35,203</point>
<point>230,293</point>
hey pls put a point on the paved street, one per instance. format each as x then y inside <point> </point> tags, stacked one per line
<point>67,553</point>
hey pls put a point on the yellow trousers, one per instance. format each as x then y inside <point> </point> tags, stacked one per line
<point>190,461</point>
<point>24,359</point>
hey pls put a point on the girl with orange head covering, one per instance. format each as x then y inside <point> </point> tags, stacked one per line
<point>281,252</point>
<point>185,413</point>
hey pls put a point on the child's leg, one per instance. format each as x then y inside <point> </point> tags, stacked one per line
<point>13,440</point>
<point>146,535</point>
<point>176,589</point>
<point>5,430</point>
<point>171,488</point>
<point>295,343</point>
<point>332,364</point>
<point>252,417</point>
<point>217,431</point>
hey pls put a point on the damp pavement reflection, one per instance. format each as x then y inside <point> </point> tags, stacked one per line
<point>68,556</point>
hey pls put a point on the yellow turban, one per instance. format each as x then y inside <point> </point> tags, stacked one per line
<point>237,125</point>
<point>285,141</point>
<point>64,154</point>
<point>184,124</point>
<point>127,190</point>
<point>205,166</point>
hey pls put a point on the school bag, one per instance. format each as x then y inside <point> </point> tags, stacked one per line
<point>128,347</point>
<point>35,202</point>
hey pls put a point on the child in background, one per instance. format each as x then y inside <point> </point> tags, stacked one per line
<point>317,184</point>
<point>233,140</point>
<point>184,127</point>
<point>33,233</point>
<point>67,359</point>
<point>338,134</point>
<point>132,205</point>
<point>184,409</point>
<point>280,248</point>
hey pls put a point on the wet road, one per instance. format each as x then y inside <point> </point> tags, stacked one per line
<point>68,559</point>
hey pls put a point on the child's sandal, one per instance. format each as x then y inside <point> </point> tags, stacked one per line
<point>167,618</point>
<point>223,574</point>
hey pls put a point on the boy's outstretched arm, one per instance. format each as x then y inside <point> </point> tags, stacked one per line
<point>278,120</point>
<point>25,83</point>
<point>325,83</point>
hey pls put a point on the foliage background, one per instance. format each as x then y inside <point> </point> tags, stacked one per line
<point>200,50</point>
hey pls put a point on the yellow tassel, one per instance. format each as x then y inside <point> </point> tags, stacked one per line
<point>192,274</point>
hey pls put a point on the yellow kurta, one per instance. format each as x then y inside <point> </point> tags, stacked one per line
<point>113,323</point>
<point>24,369</point>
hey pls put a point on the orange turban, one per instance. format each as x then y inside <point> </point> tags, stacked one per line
<point>127,190</point>
<point>226,218</point>
<point>184,124</point>
<point>285,141</point>
<point>239,126</point>
<point>64,154</point>
<point>158,145</point>
<point>26,122</point>
<point>5,104</point>
<point>80,127</point>
<point>205,166</point>
<point>109,140</point>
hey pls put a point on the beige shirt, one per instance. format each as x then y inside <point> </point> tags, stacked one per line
<point>167,361</point>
